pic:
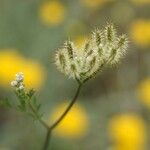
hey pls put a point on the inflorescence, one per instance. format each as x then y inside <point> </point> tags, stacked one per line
<point>103,48</point>
<point>18,82</point>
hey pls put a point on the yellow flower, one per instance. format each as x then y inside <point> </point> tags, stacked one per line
<point>140,31</point>
<point>52,12</point>
<point>12,62</point>
<point>74,125</point>
<point>128,132</point>
<point>95,3</point>
<point>141,2</point>
<point>143,92</point>
<point>80,41</point>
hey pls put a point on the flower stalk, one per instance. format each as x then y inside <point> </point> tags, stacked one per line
<point>58,121</point>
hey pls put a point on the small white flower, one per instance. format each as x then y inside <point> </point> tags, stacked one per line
<point>21,87</point>
<point>19,77</point>
<point>18,82</point>
<point>14,83</point>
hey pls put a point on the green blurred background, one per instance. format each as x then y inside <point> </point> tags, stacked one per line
<point>113,110</point>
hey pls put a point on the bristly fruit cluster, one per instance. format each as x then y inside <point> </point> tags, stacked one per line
<point>103,48</point>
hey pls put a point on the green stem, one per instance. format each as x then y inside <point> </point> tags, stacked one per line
<point>47,140</point>
<point>37,116</point>
<point>56,123</point>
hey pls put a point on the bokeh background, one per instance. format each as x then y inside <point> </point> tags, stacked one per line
<point>113,110</point>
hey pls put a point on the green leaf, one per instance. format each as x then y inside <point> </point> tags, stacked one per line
<point>31,93</point>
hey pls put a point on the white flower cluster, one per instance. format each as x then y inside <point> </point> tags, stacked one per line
<point>103,48</point>
<point>18,82</point>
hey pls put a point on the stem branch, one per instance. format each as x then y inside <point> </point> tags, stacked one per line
<point>37,116</point>
<point>47,139</point>
<point>56,123</point>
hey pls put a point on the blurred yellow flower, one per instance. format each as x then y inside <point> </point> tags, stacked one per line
<point>74,125</point>
<point>140,32</point>
<point>79,41</point>
<point>143,92</point>
<point>52,12</point>
<point>95,3</point>
<point>141,2</point>
<point>128,132</point>
<point>12,62</point>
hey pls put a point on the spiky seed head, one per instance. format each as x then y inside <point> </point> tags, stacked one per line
<point>103,48</point>
<point>110,33</point>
